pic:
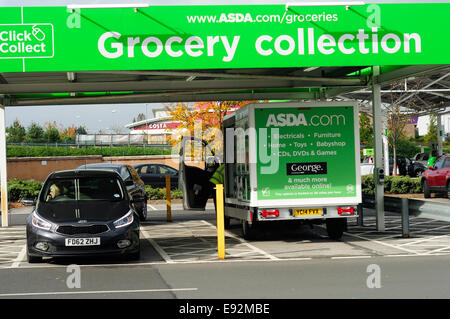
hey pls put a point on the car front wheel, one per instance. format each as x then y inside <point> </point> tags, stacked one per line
<point>426,189</point>
<point>33,259</point>
<point>448,190</point>
<point>143,212</point>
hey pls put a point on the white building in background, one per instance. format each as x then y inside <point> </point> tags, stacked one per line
<point>157,129</point>
<point>424,122</point>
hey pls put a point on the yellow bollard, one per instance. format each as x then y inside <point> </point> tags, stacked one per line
<point>220,222</point>
<point>168,199</point>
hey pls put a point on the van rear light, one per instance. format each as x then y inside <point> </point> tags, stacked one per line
<point>346,210</point>
<point>270,213</point>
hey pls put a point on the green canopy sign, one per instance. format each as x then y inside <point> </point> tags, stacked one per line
<point>208,37</point>
<point>26,41</point>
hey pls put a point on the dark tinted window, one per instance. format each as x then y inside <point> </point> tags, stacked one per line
<point>447,163</point>
<point>439,162</point>
<point>87,188</point>
<point>166,170</point>
<point>148,169</point>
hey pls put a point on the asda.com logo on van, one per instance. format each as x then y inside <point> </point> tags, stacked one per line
<point>26,41</point>
<point>291,119</point>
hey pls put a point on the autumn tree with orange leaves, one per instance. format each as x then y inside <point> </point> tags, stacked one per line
<point>204,120</point>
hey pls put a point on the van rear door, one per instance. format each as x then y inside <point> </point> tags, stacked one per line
<point>196,168</point>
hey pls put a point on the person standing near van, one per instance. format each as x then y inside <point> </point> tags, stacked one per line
<point>217,178</point>
<point>432,158</point>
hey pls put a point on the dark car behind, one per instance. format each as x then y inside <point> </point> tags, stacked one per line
<point>406,166</point>
<point>154,174</point>
<point>134,185</point>
<point>83,213</point>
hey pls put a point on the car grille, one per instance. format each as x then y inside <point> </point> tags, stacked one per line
<point>76,230</point>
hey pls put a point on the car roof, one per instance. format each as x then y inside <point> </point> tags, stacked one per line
<point>108,165</point>
<point>83,173</point>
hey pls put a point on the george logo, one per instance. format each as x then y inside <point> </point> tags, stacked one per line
<point>313,168</point>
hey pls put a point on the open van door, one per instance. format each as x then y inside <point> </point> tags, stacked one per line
<point>197,164</point>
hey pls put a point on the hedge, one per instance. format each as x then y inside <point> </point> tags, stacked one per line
<point>40,151</point>
<point>392,185</point>
<point>23,189</point>
<point>160,193</point>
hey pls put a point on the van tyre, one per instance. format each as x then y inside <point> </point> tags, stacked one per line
<point>227,222</point>
<point>336,227</point>
<point>248,231</point>
<point>426,189</point>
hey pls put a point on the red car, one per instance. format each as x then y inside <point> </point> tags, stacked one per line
<point>436,179</point>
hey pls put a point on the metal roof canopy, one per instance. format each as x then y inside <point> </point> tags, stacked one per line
<point>73,87</point>
<point>430,83</point>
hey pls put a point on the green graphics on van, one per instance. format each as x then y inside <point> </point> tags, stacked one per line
<point>19,41</point>
<point>223,36</point>
<point>315,150</point>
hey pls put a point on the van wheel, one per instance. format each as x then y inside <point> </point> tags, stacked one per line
<point>226,222</point>
<point>426,189</point>
<point>336,227</point>
<point>248,231</point>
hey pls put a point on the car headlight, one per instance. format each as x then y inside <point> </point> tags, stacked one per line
<point>125,220</point>
<point>39,222</point>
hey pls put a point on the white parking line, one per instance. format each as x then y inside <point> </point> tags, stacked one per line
<point>151,206</point>
<point>229,234</point>
<point>422,240</point>
<point>95,292</point>
<point>382,243</point>
<point>20,257</point>
<point>158,248</point>
<point>350,257</point>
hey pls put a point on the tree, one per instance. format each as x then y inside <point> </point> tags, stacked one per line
<point>365,129</point>
<point>397,117</point>
<point>51,133</point>
<point>16,133</point>
<point>431,138</point>
<point>81,130</point>
<point>68,134</point>
<point>35,133</point>
<point>140,117</point>
<point>204,116</point>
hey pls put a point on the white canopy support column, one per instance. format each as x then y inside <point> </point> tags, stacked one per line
<point>3,180</point>
<point>378,143</point>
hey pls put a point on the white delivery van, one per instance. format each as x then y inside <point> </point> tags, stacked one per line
<point>290,162</point>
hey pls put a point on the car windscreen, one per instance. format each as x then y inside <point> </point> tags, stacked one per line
<point>82,189</point>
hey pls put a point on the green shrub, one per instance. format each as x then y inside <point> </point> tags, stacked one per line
<point>64,150</point>
<point>23,189</point>
<point>392,185</point>
<point>160,193</point>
